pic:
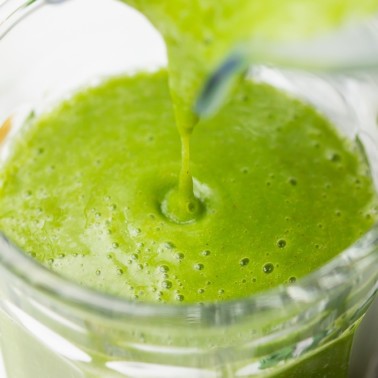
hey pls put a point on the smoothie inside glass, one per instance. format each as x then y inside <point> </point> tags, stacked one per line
<point>301,329</point>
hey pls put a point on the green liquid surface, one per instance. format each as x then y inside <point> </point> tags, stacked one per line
<point>86,188</point>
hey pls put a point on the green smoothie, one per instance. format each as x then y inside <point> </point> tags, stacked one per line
<point>104,191</point>
<point>85,193</point>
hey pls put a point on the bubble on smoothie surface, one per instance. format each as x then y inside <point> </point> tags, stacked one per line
<point>244,261</point>
<point>163,268</point>
<point>179,256</point>
<point>179,298</point>
<point>268,268</point>
<point>166,284</point>
<point>281,243</point>
<point>293,181</point>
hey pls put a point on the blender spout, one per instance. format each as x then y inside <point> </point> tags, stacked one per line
<point>352,48</point>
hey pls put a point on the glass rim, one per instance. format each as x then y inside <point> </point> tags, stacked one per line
<point>305,292</point>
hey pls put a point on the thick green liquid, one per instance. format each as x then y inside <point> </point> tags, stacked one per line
<point>85,191</point>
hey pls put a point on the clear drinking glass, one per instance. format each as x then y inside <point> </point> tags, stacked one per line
<point>51,327</point>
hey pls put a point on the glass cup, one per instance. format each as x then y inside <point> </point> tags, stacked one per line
<point>51,327</point>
